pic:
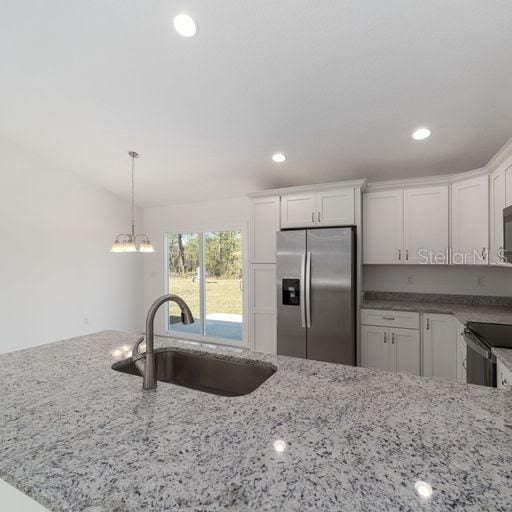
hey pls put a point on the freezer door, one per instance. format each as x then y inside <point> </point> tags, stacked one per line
<point>330,295</point>
<point>291,321</point>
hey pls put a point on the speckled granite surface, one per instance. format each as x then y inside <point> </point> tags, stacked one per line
<point>466,308</point>
<point>77,436</point>
<point>464,312</point>
<point>505,356</point>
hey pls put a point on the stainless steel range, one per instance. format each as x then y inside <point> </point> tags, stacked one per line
<point>480,338</point>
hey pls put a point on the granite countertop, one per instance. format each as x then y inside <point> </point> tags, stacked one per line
<point>463,312</point>
<point>76,435</point>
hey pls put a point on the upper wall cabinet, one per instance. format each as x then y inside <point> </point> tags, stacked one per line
<point>497,203</point>
<point>508,186</point>
<point>383,227</point>
<point>403,226</point>
<point>298,210</point>
<point>425,224</point>
<point>470,221</point>
<point>335,207</point>
<point>331,207</point>
<point>264,224</point>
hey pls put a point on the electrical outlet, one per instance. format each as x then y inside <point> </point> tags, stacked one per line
<point>86,321</point>
<point>410,279</point>
<point>480,280</point>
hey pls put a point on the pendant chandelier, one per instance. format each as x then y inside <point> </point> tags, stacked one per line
<point>131,242</point>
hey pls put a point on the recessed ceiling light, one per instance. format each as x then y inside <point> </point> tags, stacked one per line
<point>185,25</point>
<point>421,134</point>
<point>279,158</point>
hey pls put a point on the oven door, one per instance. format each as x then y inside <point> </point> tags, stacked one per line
<point>480,362</point>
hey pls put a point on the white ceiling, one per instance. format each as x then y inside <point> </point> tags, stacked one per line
<point>337,85</point>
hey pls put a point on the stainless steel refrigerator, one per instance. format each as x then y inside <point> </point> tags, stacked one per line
<point>316,294</point>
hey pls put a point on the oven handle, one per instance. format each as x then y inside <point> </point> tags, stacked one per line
<point>468,337</point>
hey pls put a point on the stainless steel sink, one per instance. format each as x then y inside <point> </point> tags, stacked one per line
<point>205,373</point>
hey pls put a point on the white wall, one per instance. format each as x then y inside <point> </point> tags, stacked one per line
<point>55,265</point>
<point>181,218</point>
<point>474,280</point>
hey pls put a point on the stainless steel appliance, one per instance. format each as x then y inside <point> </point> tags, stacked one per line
<point>316,294</point>
<point>480,338</point>
<point>507,234</point>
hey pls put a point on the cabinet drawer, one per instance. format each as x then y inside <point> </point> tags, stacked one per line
<point>386,318</point>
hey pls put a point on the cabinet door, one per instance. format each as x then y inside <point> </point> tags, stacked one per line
<point>470,221</point>
<point>383,227</point>
<point>497,203</point>
<point>335,207</point>
<point>508,186</point>
<point>461,352</point>
<point>298,211</point>
<point>405,351</point>
<point>439,347</point>
<point>264,225</point>
<point>374,347</point>
<point>263,308</point>
<point>503,376</point>
<point>426,224</point>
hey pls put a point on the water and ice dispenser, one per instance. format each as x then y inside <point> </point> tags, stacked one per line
<point>291,292</point>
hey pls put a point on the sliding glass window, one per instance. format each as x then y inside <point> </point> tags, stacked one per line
<point>205,269</point>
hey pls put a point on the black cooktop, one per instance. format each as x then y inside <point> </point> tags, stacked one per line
<point>494,335</point>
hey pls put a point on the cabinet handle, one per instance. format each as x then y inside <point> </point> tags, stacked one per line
<point>388,318</point>
<point>318,216</point>
<point>483,253</point>
<point>399,254</point>
<point>312,216</point>
<point>392,338</point>
<point>385,337</point>
<point>428,324</point>
<point>407,254</point>
<point>464,364</point>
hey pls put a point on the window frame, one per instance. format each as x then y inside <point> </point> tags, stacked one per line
<point>242,227</point>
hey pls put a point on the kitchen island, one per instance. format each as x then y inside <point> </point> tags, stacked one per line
<point>76,435</point>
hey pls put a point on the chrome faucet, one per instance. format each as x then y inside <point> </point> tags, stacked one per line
<point>147,368</point>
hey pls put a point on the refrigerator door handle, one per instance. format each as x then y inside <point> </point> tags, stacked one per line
<point>302,290</point>
<point>308,289</point>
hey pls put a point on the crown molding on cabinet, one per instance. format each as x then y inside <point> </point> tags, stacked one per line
<point>503,156</point>
<point>308,188</point>
<point>427,181</point>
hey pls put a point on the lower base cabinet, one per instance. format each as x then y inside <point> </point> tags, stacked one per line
<point>461,352</point>
<point>439,346</point>
<point>391,349</point>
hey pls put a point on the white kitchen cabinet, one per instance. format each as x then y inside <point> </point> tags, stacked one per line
<point>298,210</point>
<point>394,350</point>
<point>383,227</point>
<point>439,346</point>
<point>374,347</point>
<point>497,203</point>
<point>503,376</point>
<point>425,223</point>
<point>405,351</point>
<point>470,221</point>
<point>330,207</point>
<point>461,352</point>
<point>262,305</point>
<point>265,212</point>
<point>335,207</point>
<point>508,186</point>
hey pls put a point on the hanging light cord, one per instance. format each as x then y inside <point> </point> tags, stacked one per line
<point>133,195</point>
